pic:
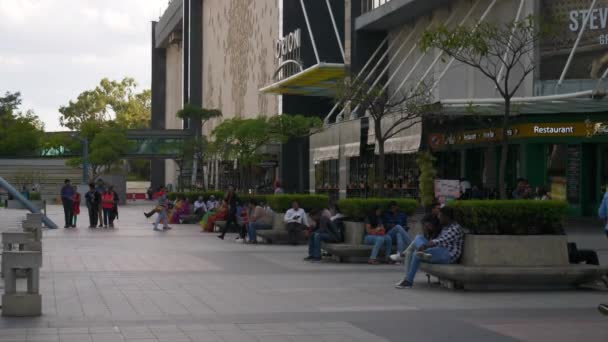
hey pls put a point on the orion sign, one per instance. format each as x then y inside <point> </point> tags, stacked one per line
<point>288,45</point>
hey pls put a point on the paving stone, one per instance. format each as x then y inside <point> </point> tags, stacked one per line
<point>76,338</point>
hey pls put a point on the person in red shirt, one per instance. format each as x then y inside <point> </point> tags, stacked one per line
<point>76,208</point>
<point>107,203</point>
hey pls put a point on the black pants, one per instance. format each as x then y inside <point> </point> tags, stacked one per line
<point>93,216</point>
<point>108,217</point>
<point>294,230</point>
<point>68,211</point>
<point>230,220</point>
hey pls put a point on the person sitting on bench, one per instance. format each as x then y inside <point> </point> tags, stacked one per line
<point>325,230</point>
<point>445,249</point>
<point>296,220</point>
<point>375,235</point>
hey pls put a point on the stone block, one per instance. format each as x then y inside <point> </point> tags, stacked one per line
<point>514,251</point>
<point>353,233</point>
<point>21,305</point>
<point>514,278</point>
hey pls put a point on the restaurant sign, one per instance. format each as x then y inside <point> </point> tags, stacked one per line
<point>586,129</point>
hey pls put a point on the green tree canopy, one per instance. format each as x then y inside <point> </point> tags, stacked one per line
<point>21,133</point>
<point>110,100</point>
<point>242,138</point>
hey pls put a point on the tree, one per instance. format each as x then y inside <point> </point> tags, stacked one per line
<point>241,139</point>
<point>110,100</point>
<point>425,162</point>
<point>391,114</point>
<point>197,116</point>
<point>21,133</point>
<point>502,52</point>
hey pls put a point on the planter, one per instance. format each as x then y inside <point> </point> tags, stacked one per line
<point>515,250</point>
<point>353,232</point>
<point>14,204</point>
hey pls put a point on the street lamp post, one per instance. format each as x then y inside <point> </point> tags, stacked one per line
<point>85,157</point>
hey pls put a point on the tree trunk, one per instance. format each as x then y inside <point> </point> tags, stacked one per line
<point>504,153</point>
<point>381,169</point>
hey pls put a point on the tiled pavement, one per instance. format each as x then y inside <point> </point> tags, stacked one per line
<point>134,284</point>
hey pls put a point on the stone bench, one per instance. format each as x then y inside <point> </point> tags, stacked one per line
<point>17,303</point>
<point>492,262</point>
<point>278,234</point>
<point>352,249</point>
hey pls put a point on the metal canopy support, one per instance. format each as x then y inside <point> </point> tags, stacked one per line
<point>449,65</point>
<point>16,194</point>
<point>575,47</point>
<point>517,18</point>
<point>333,21</point>
<point>421,58</point>
<point>312,37</point>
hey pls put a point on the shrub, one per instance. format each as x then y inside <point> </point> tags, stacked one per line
<point>35,196</point>
<point>282,203</point>
<point>511,217</point>
<point>358,208</point>
<point>193,196</point>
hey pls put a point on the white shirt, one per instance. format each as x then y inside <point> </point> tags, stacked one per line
<point>297,216</point>
<point>211,205</point>
<point>464,186</point>
<point>201,204</point>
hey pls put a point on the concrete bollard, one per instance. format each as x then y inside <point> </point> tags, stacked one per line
<point>16,240</point>
<point>17,303</point>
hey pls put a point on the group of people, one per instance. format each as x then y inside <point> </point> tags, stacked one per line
<point>101,201</point>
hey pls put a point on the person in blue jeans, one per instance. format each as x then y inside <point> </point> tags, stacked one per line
<point>430,229</point>
<point>445,249</point>
<point>395,223</point>
<point>325,230</point>
<point>375,235</point>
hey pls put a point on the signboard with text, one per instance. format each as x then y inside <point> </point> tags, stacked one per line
<point>447,190</point>
<point>592,53</point>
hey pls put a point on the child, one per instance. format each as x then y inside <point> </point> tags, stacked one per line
<point>76,208</point>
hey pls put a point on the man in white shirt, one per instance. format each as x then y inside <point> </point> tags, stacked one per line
<point>212,203</point>
<point>199,206</point>
<point>296,221</point>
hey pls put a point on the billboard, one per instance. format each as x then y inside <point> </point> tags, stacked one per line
<point>591,58</point>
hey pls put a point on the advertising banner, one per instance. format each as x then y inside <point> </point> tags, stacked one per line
<point>447,190</point>
<point>591,58</point>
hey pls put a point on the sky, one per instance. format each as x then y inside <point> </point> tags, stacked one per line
<point>52,50</point>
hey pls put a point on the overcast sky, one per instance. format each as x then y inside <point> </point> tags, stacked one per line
<point>51,50</point>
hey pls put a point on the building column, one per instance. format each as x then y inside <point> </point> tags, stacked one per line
<point>159,92</point>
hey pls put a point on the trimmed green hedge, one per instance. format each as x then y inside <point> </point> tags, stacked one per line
<point>358,208</point>
<point>282,203</point>
<point>193,196</point>
<point>525,217</point>
<point>35,196</point>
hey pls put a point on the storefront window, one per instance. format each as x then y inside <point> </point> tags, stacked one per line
<point>327,174</point>
<point>401,176</point>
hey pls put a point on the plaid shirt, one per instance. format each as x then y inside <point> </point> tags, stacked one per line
<point>451,238</point>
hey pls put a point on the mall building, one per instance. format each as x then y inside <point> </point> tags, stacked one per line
<point>286,57</point>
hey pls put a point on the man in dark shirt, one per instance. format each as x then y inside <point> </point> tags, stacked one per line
<point>232,199</point>
<point>93,200</point>
<point>67,199</point>
<point>327,231</point>
<point>395,223</point>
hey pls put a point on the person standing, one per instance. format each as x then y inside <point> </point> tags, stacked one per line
<point>76,208</point>
<point>67,199</point>
<point>296,220</point>
<point>278,189</point>
<point>92,200</point>
<point>107,203</point>
<point>232,200</point>
<point>116,200</point>
<point>603,214</point>
<point>100,188</point>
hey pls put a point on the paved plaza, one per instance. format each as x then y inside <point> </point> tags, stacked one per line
<point>134,284</point>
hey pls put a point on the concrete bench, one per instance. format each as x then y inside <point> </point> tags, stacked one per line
<point>513,278</point>
<point>278,234</point>
<point>514,262</point>
<point>17,303</point>
<point>352,249</point>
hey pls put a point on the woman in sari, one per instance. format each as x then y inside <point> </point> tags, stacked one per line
<point>181,208</point>
<point>211,217</point>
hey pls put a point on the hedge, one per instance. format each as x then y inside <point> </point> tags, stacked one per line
<point>35,196</point>
<point>282,203</point>
<point>193,196</point>
<point>525,217</point>
<point>358,208</point>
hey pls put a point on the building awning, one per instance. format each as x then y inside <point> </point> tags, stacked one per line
<point>318,80</point>
<point>405,142</point>
<point>352,150</point>
<point>326,153</point>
